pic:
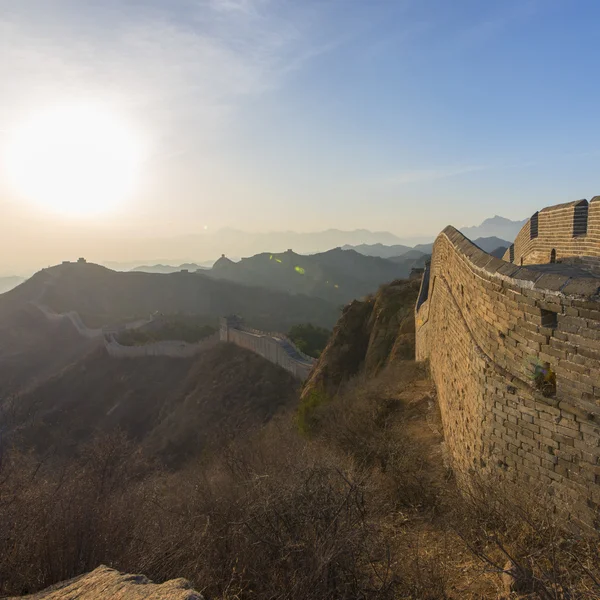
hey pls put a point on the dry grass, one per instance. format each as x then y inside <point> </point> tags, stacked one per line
<point>364,508</point>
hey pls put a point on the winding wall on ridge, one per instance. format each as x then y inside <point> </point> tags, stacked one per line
<point>275,347</point>
<point>484,324</point>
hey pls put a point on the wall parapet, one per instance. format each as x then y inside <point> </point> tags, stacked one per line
<point>488,328</point>
<point>170,348</point>
<point>557,232</point>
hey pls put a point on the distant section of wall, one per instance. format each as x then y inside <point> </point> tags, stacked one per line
<point>275,347</point>
<point>559,232</point>
<point>488,327</point>
<point>82,328</point>
<point>172,348</point>
<point>73,317</point>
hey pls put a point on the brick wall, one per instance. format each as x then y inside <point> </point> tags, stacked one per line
<point>571,230</point>
<point>485,326</point>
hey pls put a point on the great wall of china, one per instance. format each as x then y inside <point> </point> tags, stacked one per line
<point>514,353</point>
<point>513,347</point>
<point>275,347</point>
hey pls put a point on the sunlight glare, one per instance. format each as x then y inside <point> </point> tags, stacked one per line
<point>75,160</point>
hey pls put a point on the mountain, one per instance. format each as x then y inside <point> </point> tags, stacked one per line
<point>337,275</point>
<point>498,252</point>
<point>8,283</point>
<point>397,251</point>
<point>492,243</point>
<point>495,227</point>
<point>105,297</point>
<point>241,243</point>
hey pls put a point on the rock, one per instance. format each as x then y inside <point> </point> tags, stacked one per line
<point>107,584</point>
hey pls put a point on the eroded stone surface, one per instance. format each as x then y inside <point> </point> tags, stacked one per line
<point>107,584</point>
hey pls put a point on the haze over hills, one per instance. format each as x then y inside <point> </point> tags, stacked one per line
<point>495,227</point>
<point>165,269</point>
<point>105,297</point>
<point>205,247</point>
<point>336,275</point>
<point>397,252</point>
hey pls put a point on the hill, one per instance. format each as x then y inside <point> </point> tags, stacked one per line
<point>105,297</point>
<point>32,348</point>
<point>172,408</point>
<point>337,275</point>
<point>369,335</point>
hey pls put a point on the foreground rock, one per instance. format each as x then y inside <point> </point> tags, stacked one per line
<point>104,584</point>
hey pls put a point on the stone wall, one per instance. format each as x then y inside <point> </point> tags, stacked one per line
<point>487,327</point>
<point>172,348</point>
<point>563,231</point>
<point>275,347</point>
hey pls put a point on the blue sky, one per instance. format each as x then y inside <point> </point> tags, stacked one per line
<point>271,114</point>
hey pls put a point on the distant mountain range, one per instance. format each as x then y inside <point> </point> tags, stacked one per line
<point>495,227</point>
<point>399,253</point>
<point>336,275</point>
<point>169,268</point>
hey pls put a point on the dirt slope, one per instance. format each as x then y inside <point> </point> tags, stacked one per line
<point>369,335</point>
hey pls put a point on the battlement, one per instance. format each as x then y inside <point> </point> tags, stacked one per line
<point>569,231</point>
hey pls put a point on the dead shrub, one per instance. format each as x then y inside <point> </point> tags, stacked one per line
<point>519,534</point>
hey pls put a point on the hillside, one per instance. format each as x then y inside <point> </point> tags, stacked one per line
<point>32,348</point>
<point>102,296</point>
<point>173,408</point>
<point>370,334</point>
<point>337,275</point>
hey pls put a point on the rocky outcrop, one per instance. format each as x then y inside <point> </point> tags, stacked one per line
<point>107,584</point>
<point>369,335</point>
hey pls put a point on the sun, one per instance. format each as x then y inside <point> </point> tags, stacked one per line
<point>74,160</point>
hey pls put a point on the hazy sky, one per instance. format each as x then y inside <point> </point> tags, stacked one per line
<point>272,114</point>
